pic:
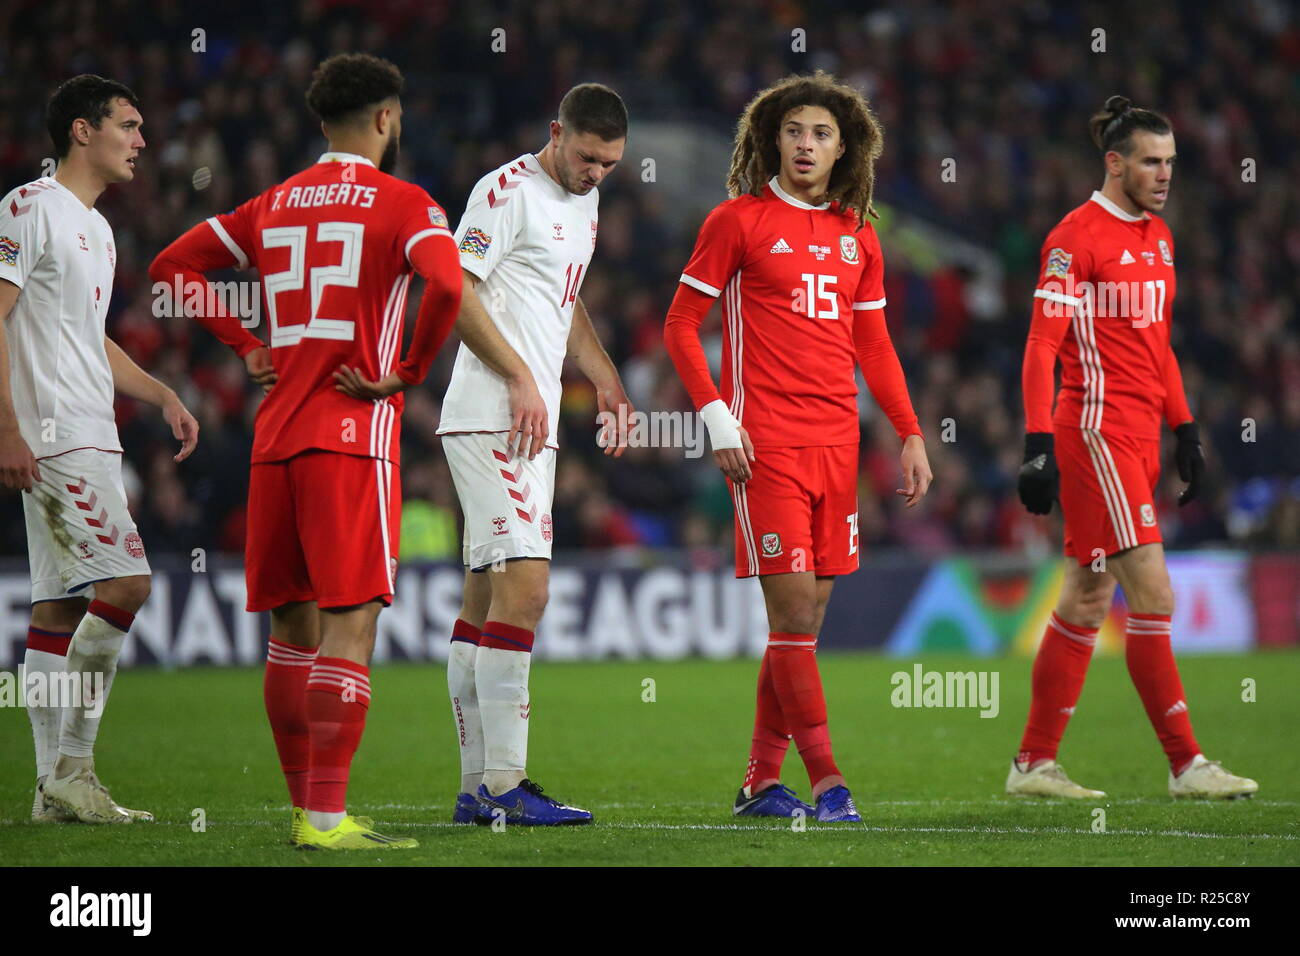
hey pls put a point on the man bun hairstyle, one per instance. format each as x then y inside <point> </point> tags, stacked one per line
<point>594,108</point>
<point>344,85</point>
<point>1113,126</point>
<point>87,97</point>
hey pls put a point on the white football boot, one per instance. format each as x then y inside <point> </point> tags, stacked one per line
<point>43,812</point>
<point>1047,780</point>
<point>1207,780</point>
<point>83,795</point>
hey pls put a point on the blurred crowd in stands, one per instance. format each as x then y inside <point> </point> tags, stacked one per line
<point>1004,89</point>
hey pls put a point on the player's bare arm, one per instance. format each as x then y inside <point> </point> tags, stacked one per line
<point>482,337</point>
<point>130,379</point>
<point>594,362</point>
<point>18,468</point>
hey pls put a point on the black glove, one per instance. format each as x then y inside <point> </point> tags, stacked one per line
<point>1191,462</point>
<point>1039,478</point>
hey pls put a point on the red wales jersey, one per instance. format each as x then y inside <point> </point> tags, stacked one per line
<point>333,247</point>
<point>1112,275</point>
<point>790,276</point>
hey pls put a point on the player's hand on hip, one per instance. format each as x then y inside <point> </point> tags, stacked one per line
<point>916,471</point>
<point>1039,479</point>
<point>1190,460</point>
<point>613,402</point>
<point>185,428</point>
<point>734,462</point>
<point>260,368</point>
<point>528,418</point>
<point>352,383</point>
<point>18,468</point>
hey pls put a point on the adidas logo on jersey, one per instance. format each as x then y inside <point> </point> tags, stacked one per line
<point>781,246</point>
<point>1126,258</point>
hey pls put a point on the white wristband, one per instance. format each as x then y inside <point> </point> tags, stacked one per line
<point>724,429</point>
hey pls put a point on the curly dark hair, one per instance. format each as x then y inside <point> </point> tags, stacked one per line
<point>756,158</point>
<point>1113,126</point>
<point>345,84</point>
<point>87,97</point>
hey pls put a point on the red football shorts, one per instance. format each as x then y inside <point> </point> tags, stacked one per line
<point>1108,486</point>
<point>799,512</point>
<point>323,527</point>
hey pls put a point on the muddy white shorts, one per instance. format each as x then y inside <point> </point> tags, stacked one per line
<point>507,504</point>
<point>78,528</point>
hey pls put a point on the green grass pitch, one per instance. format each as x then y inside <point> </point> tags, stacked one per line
<point>660,776</point>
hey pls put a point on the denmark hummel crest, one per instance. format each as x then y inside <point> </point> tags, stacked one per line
<point>781,246</point>
<point>1126,258</point>
<point>1058,263</point>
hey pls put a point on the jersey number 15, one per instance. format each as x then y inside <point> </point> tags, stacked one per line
<point>820,290</point>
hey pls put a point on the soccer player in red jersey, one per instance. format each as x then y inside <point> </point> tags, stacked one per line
<point>801,277</point>
<point>336,247</point>
<point>1103,304</point>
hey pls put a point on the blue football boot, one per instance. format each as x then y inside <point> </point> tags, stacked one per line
<point>777,800</point>
<point>467,808</point>
<point>527,806</point>
<point>836,806</point>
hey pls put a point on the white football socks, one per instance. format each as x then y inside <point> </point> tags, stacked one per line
<point>324,820</point>
<point>45,717</point>
<point>501,679</point>
<point>465,712</point>
<point>94,650</point>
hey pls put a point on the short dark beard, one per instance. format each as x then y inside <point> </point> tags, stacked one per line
<point>389,159</point>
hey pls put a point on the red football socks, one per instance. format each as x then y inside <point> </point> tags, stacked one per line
<point>1155,675</point>
<point>284,690</point>
<point>771,736</point>
<point>338,695</point>
<point>798,686</point>
<point>1059,669</point>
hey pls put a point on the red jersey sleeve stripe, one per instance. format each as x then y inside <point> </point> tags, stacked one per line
<point>867,306</point>
<point>424,234</point>
<point>228,242</point>
<point>704,287</point>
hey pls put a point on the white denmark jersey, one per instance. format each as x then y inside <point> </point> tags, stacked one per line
<point>529,240</point>
<point>61,255</point>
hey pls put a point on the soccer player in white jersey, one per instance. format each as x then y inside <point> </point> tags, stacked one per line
<point>525,240</point>
<point>58,436</point>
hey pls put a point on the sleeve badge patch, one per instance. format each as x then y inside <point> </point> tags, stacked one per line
<point>1058,264</point>
<point>437,217</point>
<point>9,251</point>
<point>476,243</point>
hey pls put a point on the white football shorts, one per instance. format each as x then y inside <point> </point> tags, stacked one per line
<point>506,504</point>
<point>78,528</point>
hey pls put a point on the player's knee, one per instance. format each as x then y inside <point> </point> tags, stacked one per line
<point>1154,599</point>
<point>795,617</point>
<point>129,594</point>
